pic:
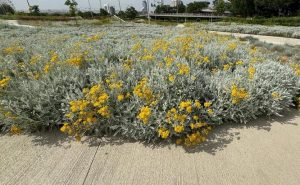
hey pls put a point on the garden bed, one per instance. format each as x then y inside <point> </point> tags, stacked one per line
<point>145,82</point>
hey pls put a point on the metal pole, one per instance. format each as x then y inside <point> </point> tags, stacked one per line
<point>120,5</point>
<point>148,9</point>
<point>100,4</point>
<point>91,9</point>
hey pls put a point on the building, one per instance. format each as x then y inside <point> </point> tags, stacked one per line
<point>174,3</point>
<point>112,10</point>
<point>106,7</point>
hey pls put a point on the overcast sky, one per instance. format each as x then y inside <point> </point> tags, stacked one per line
<point>82,4</point>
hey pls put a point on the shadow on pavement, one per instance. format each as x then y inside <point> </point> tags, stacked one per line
<point>218,140</point>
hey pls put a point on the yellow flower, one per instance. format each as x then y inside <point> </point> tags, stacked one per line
<point>298,71</point>
<point>163,133</point>
<point>210,112</point>
<point>276,95</point>
<point>171,78</point>
<point>207,104</point>
<point>144,114</point>
<point>240,62</point>
<point>169,61</point>
<point>54,57</point>
<point>76,61</point>
<point>238,94</point>
<point>147,58</point>
<point>196,118</point>
<point>251,72</point>
<point>226,67</point>
<point>206,59</point>
<point>69,115</point>
<point>104,111</point>
<point>120,97</point>
<point>103,98</point>
<point>46,68</point>
<point>179,128</point>
<point>65,128</point>
<point>197,104</point>
<point>183,69</point>
<point>232,46</point>
<point>14,129</point>
<point>189,109</point>
<point>4,82</point>
<point>185,104</point>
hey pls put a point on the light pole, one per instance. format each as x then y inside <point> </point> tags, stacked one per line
<point>148,10</point>
<point>120,5</point>
<point>90,8</point>
<point>100,4</point>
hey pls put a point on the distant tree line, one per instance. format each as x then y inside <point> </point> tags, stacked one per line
<point>266,8</point>
<point>243,8</point>
<point>193,7</point>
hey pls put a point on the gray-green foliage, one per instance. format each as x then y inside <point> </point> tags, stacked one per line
<point>43,102</point>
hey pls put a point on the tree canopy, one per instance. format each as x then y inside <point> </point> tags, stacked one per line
<point>196,7</point>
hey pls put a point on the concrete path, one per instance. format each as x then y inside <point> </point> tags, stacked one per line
<point>14,23</point>
<point>263,38</point>
<point>262,152</point>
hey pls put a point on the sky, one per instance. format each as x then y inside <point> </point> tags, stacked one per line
<point>82,4</point>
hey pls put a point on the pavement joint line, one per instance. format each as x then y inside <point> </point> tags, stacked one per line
<point>87,173</point>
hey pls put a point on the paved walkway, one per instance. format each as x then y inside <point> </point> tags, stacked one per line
<point>262,152</point>
<point>263,38</point>
<point>14,23</point>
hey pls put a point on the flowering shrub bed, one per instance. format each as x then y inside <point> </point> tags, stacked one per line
<point>141,82</point>
<point>280,31</point>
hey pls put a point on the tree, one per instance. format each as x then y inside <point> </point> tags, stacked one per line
<point>243,8</point>
<point>72,6</point>
<point>219,6</point>
<point>276,7</point>
<point>103,12</point>
<point>165,9</point>
<point>121,14</point>
<point>196,7</point>
<point>131,13</point>
<point>33,9</point>
<point>181,7</point>
<point>6,9</point>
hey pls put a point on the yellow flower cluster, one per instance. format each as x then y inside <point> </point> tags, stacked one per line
<point>197,125</point>
<point>238,94</point>
<point>240,62</point>
<point>251,71</point>
<point>143,91</point>
<point>136,47</point>
<point>226,67</point>
<point>144,114</point>
<point>195,138</point>
<point>187,105</point>
<point>14,129</point>
<point>148,57</point>
<point>13,50</point>
<point>76,60</point>
<point>276,95</point>
<point>171,78</point>
<point>232,46</point>
<point>93,38</point>
<point>169,61</point>
<point>4,82</point>
<point>163,133</point>
<point>178,128</point>
<point>183,69</point>
<point>160,45</point>
<point>78,105</point>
